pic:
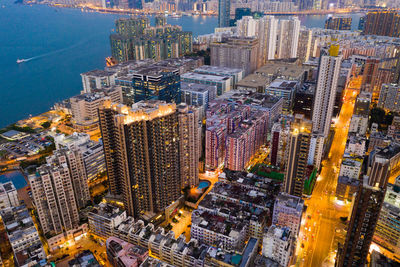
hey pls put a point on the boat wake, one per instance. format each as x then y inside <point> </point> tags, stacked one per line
<point>55,51</point>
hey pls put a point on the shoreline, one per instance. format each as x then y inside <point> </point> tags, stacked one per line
<point>154,12</point>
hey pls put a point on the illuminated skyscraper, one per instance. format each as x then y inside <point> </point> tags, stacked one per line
<point>141,146</point>
<point>142,149</point>
<point>299,143</point>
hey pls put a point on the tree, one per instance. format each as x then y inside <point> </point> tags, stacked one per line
<point>377,116</point>
<point>46,124</point>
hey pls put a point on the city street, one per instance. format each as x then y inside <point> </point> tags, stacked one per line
<point>323,213</point>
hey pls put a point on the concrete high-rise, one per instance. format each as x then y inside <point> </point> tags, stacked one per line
<point>304,46</point>
<point>236,52</point>
<point>338,23</point>
<point>76,166</point>
<point>53,194</point>
<point>382,23</point>
<point>288,38</point>
<point>189,144</point>
<point>325,92</point>
<point>267,30</point>
<point>224,13</point>
<point>8,195</point>
<point>135,39</point>
<point>299,144</point>
<point>142,146</point>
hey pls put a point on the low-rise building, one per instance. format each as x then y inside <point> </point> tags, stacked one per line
<point>358,124</point>
<point>103,218</point>
<point>346,188</point>
<point>237,126</point>
<point>97,79</point>
<point>84,107</point>
<point>123,254</point>
<point>351,167</point>
<point>254,83</point>
<point>237,74</point>
<point>217,257</point>
<point>91,153</point>
<point>285,89</point>
<point>356,145</point>
<point>8,195</point>
<point>218,231</point>
<point>222,82</point>
<point>84,259</point>
<point>278,245</point>
<point>23,236</point>
<point>283,70</point>
<point>288,211</point>
<point>198,95</point>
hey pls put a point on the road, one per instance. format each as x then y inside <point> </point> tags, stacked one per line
<point>323,213</point>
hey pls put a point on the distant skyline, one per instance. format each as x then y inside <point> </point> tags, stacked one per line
<point>34,87</point>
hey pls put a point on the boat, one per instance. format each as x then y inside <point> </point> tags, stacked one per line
<point>20,60</point>
<point>175,16</point>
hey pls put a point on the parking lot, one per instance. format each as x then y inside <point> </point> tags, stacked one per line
<point>28,146</point>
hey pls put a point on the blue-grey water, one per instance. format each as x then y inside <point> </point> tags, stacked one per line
<point>16,177</point>
<point>62,43</point>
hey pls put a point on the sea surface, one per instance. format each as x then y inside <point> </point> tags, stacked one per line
<point>61,43</point>
<point>14,176</point>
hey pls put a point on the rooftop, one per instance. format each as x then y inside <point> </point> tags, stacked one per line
<point>281,69</point>
<point>282,233</point>
<point>253,80</point>
<point>7,187</point>
<point>262,261</point>
<point>106,210</point>
<point>250,180</point>
<point>284,84</point>
<point>290,201</point>
<point>253,99</point>
<point>98,73</point>
<point>217,69</point>
<point>230,209</point>
<point>348,181</point>
<point>218,224</point>
<point>247,196</point>
<point>18,222</point>
<point>195,87</point>
<point>204,77</point>
<point>389,151</point>
<point>84,259</point>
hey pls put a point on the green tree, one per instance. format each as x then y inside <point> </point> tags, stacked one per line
<point>46,124</point>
